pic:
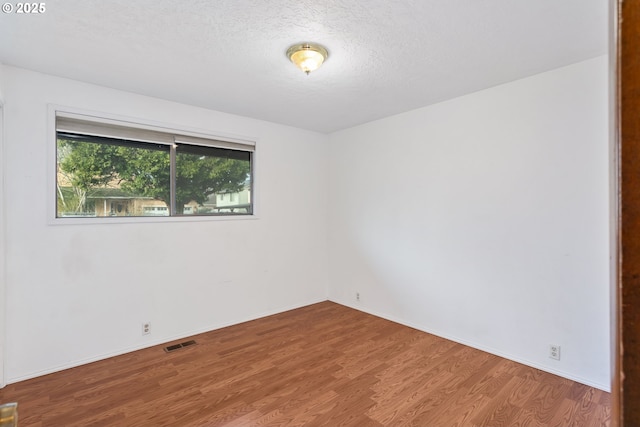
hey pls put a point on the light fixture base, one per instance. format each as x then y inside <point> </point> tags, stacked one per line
<point>307,56</point>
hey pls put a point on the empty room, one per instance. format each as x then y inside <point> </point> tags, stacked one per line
<point>322,213</point>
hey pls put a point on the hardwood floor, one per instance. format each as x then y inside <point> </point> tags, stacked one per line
<point>321,365</point>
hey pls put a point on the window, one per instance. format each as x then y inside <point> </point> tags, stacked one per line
<point>107,168</point>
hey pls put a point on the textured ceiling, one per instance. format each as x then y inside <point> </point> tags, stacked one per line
<point>385,56</point>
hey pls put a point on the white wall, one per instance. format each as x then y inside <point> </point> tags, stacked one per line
<point>80,292</point>
<point>484,219</point>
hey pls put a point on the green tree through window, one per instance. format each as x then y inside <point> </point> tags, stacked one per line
<point>96,168</point>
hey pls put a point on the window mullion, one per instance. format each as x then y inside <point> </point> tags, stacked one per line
<point>172,180</point>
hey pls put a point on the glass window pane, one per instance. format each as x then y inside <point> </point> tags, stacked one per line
<point>103,177</point>
<point>205,174</point>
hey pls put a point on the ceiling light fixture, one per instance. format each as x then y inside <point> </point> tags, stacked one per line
<point>307,56</point>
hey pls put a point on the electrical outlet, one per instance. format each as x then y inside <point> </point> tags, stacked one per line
<point>146,328</point>
<point>554,351</point>
<point>358,296</point>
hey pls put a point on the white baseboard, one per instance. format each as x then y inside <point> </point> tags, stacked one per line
<point>603,387</point>
<point>158,341</point>
<point>358,307</point>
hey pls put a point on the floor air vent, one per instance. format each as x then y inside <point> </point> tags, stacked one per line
<point>175,347</point>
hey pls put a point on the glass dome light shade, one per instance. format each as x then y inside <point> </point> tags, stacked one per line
<point>307,57</point>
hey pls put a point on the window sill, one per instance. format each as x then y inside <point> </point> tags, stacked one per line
<point>148,219</point>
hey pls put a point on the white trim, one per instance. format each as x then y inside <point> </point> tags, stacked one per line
<point>76,363</point>
<point>604,387</point>
<point>76,114</point>
<point>3,274</point>
<point>614,207</point>
<point>160,341</point>
<point>103,220</point>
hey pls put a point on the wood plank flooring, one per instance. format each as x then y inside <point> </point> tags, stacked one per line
<point>320,365</point>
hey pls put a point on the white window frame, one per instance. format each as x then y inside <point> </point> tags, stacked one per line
<point>182,133</point>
